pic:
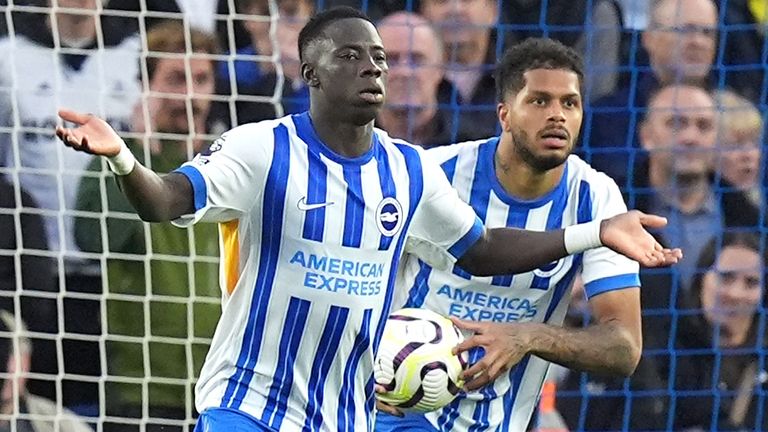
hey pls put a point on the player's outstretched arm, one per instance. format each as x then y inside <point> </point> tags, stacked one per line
<point>156,198</point>
<point>508,250</point>
<point>612,345</point>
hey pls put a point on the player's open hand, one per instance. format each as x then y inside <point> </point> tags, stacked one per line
<point>504,344</point>
<point>92,134</point>
<point>385,407</point>
<point>626,234</point>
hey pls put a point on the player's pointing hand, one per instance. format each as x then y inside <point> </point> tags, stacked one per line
<point>92,134</point>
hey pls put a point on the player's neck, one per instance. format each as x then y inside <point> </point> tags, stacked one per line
<point>522,181</point>
<point>345,138</point>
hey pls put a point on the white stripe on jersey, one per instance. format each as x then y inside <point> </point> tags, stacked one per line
<point>319,239</point>
<point>539,296</point>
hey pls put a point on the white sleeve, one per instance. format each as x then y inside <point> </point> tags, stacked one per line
<point>228,178</point>
<point>603,269</point>
<point>443,226</point>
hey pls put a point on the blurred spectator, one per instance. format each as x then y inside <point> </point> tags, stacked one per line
<point>680,42</point>
<point>416,68</point>
<point>205,16</point>
<point>679,133</point>
<point>600,400</point>
<point>593,28</point>
<point>471,44</point>
<point>719,373</point>
<point>172,270</point>
<point>38,73</point>
<point>262,78</point>
<point>742,36</point>
<point>32,73</point>
<point>21,411</point>
<point>38,308</point>
<point>739,145</point>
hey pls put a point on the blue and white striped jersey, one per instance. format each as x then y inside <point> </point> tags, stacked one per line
<point>542,295</point>
<point>310,245</point>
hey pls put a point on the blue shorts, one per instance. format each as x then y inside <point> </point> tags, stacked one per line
<point>229,420</point>
<point>411,422</point>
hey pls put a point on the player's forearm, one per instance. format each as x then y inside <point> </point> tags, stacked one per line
<point>157,198</point>
<point>602,348</point>
<point>509,251</point>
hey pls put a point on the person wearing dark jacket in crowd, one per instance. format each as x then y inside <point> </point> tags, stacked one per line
<point>717,368</point>
<point>413,110</point>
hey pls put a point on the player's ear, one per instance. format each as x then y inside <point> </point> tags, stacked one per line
<point>502,111</point>
<point>309,75</point>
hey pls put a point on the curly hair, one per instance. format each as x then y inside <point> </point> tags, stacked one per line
<point>533,53</point>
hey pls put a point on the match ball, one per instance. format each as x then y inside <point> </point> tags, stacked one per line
<point>414,361</point>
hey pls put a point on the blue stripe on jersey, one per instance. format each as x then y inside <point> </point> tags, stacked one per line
<point>517,217</point>
<point>460,272</point>
<point>482,410</point>
<point>584,213</point>
<point>370,401</point>
<point>420,287</point>
<point>449,168</point>
<point>562,286</point>
<point>465,242</point>
<point>282,381</point>
<point>199,188</point>
<point>415,191</point>
<point>388,188</point>
<point>515,377</point>
<point>314,221</point>
<point>272,225</point>
<point>599,286</point>
<point>481,192</point>
<point>559,199</point>
<point>346,412</point>
<point>326,351</point>
<point>355,210</point>
<point>451,413</point>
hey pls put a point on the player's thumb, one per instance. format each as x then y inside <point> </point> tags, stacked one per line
<point>652,221</point>
<point>73,116</point>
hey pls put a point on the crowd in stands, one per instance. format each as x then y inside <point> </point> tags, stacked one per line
<point>674,102</point>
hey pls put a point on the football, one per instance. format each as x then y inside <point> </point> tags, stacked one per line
<point>414,362</point>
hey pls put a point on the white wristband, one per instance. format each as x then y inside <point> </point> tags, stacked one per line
<point>122,163</point>
<point>579,238</point>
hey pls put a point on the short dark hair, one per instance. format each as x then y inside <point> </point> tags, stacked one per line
<point>313,30</point>
<point>533,53</point>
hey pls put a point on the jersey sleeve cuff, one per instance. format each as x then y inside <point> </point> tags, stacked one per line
<point>470,238</point>
<point>199,191</point>
<point>611,283</point>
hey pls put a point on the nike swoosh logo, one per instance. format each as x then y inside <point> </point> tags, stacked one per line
<point>303,206</point>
